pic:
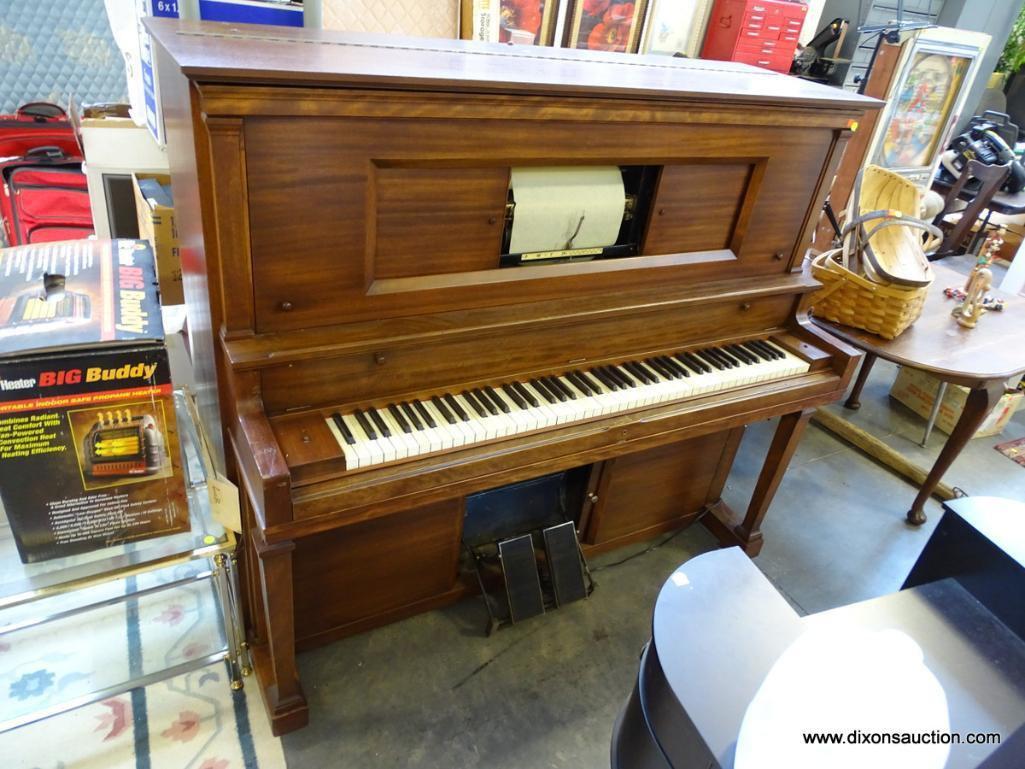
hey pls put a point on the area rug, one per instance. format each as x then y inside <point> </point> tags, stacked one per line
<point>1013,450</point>
<point>194,721</point>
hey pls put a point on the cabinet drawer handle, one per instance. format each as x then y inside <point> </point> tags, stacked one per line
<point>286,306</point>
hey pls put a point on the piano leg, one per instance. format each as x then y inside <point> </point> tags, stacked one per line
<point>747,534</point>
<point>274,659</point>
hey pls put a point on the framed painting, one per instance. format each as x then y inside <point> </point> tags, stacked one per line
<point>675,26</point>
<point>605,25</point>
<point>527,22</point>
<point>925,100</point>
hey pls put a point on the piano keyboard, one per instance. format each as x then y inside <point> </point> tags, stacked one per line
<point>404,430</point>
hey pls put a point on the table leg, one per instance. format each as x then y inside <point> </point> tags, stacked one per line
<point>854,399</point>
<point>981,401</point>
<point>941,391</point>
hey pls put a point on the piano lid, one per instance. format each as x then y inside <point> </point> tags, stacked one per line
<point>263,55</point>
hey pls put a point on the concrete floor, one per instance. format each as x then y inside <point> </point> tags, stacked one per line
<point>433,691</point>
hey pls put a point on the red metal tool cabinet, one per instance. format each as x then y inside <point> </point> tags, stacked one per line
<point>759,32</point>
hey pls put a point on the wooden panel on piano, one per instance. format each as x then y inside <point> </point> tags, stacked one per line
<point>647,492</point>
<point>315,192</point>
<point>407,365</point>
<point>683,221</point>
<point>437,220</point>
<point>382,566</point>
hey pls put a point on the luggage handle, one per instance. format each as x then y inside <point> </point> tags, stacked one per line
<point>50,152</point>
<point>41,111</point>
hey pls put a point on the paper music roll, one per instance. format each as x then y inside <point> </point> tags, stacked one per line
<point>566,208</point>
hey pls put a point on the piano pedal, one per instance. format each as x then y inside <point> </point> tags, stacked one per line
<point>565,563</point>
<point>522,583</point>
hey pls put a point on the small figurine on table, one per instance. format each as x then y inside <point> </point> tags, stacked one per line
<point>974,301</point>
<point>971,308</point>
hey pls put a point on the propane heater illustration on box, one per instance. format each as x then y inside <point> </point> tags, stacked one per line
<point>48,309</point>
<point>122,444</point>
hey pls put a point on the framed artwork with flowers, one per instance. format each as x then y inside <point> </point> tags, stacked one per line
<point>520,22</point>
<point>605,25</point>
<point>527,22</point>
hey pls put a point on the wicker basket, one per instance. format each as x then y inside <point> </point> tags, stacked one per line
<point>854,300</point>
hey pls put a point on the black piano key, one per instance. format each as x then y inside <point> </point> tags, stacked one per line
<point>727,360</point>
<point>662,368</point>
<point>591,381</point>
<point>762,345</point>
<point>365,424</point>
<point>399,419</point>
<point>620,375</point>
<point>711,360</point>
<point>729,357</point>
<point>689,363</point>
<point>425,415</point>
<point>454,405</point>
<point>755,350</point>
<point>594,382</point>
<point>774,348</point>
<point>563,388</point>
<point>443,410</point>
<point>581,383</point>
<point>545,391</point>
<point>382,426</point>
<point>751,351</point>
<point>739,352</point>
<point>696,362</point>
<point>515,397</point>
<point>526,395</point>
<point>502,405</point>
<point>343,429</point>
<point>474,403</point>
<point>680,369</point>
<point>553,389</point>
<point>654,375</point>
<point>410,414</point>
<point>663,371</point>
<point>485,401</point>
<point>603,377</point>
<point>639,372</point>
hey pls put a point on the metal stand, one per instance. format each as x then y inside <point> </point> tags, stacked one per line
<point>941,390</point>
<point>226,583</point>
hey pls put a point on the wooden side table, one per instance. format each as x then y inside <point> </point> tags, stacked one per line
<point>982,358</point>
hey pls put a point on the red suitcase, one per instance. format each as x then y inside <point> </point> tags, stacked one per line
<point>35,125</point>
<point>45,196</point>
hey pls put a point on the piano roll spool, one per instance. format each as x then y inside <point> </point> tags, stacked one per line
<point>566,208</point>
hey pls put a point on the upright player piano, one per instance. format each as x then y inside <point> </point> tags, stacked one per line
<point>421,269</point>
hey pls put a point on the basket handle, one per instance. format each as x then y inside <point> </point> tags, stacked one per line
<point>828,290</point>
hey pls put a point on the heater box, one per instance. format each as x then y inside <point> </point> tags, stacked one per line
<point>89,451</point>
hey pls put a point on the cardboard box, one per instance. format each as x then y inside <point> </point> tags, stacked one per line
<point>89,453</point>
<point>917,390</point>
<point>155,209</point>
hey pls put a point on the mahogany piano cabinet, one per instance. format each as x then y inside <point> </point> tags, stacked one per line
<point>376,350</point>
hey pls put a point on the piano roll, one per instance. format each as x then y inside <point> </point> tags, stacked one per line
<point>566,208</point>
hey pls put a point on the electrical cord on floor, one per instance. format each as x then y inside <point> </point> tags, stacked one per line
<point>638,554</point>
